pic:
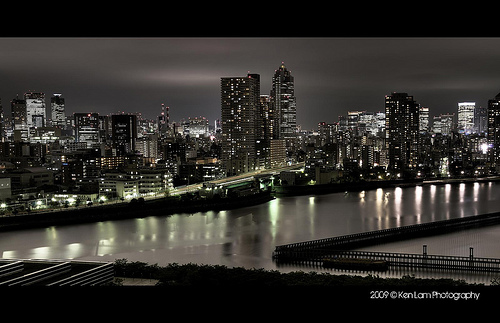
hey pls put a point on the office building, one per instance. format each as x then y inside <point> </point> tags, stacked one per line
<point>58,111</point>
<point>196,127</point>
<point>443,124</point>
<point>481,120</point>
<point>423,125</point>
<point>19,119</point>
<point>124,133</point>
<point>402,131</point>
<point>87,128</point>
<point>466,112</point>
<point>35,109</point>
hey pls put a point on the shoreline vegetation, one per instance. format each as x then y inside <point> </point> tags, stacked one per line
<point>199,275</point>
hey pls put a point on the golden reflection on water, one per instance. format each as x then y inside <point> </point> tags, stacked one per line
<point>252,233</point>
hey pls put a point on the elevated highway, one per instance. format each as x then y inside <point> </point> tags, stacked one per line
<point>236,179</point>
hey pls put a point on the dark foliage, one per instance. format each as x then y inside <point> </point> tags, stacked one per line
<point>221,276</point>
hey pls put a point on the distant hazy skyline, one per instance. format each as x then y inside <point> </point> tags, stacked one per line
<point>332,75</point>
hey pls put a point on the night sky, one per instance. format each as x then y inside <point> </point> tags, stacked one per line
<point>332,75</point>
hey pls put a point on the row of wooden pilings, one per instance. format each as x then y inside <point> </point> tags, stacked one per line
<point>316,251</point>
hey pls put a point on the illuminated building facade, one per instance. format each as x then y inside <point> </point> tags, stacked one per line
<point>284,105</point>
<point>124,133</point>
<point>19,119</point>
<point>239,105</point>
<point>466,112</point>
<point>35,109</point>
<point>494,130</point>
<point>87,128</point>
<point>58,110</point>
<point>424,120</point>
<point>402,131</point>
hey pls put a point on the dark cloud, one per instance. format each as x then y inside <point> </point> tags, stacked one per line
<point>332,75</point>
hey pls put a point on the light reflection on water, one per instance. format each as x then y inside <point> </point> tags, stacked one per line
<point>246,237</point>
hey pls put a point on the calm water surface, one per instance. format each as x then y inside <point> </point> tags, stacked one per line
<point>247,237</point>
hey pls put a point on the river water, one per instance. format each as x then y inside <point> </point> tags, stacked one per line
<point>246,237</point>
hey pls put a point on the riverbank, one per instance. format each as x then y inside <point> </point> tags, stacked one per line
<point>297,190</point>
<point>172,205</point>
<point>128,210</point>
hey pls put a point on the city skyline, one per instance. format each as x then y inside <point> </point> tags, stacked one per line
<point>332,75</point>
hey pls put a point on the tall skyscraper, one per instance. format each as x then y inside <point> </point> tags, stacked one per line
<point>58,115</point>
<point>494,130</point>
<point>124,133</point>
<point>466,112</point>
<point>35,109</point>
<point>239,106</point>
<point>402,131</point>
<point>164,122</point>
<point>284,104</point>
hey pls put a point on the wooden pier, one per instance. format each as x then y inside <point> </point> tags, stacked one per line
<point>327,252</point>
<point>381,261</point>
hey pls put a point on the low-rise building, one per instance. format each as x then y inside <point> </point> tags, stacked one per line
<point>5,189</point>
<point>134,184</point>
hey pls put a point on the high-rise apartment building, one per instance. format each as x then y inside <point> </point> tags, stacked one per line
<point>147,145</point>
<point>466,113</point>
<point>35,109</point>
<point>239,106</point>
<point>402,131</point>
<point>494,130</point>
<point>284,104</point>
<point>57,109</point>
<point>264,132</point>
<point>267,117</point>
